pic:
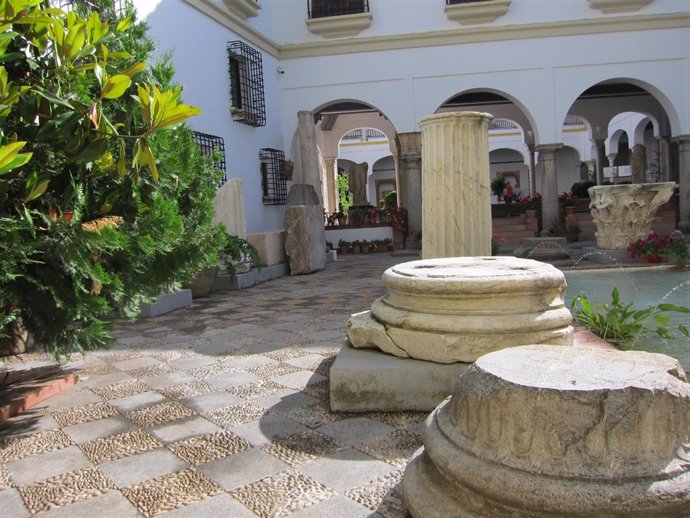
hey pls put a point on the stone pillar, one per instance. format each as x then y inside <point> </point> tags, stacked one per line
<point>532,174</point>
<point>410,196</point>
<point>331,198</point>
<point>541,431</point>
<point>310,172</point>
<point>638,163</point>
<point>305,235</point>
<point>601,159</point>
<point>665,159</point>
<point>683,142</point>
<point>456,201</point>
<point>550,209</point>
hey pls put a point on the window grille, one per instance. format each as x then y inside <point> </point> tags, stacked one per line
<point>502,124</point>
<point>213,146</point>
<point>248,105</point>
<point>323,8</point>
<point>273,180</point>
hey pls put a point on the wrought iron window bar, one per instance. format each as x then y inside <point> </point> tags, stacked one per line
<point>245,66</point>
<point>213,146</point>
<point>324,8</point>
<point>273,179</point>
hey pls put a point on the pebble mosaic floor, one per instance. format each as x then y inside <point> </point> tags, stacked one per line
<point>220,409</point>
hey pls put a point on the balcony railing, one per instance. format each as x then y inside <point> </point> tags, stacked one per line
<point>325,8</point>
<point>454,2</point>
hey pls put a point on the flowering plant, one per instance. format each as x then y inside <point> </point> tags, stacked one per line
<point>496,240</point>
<point>531,202</point>
<point>566,199</point>
<point>397,217</point>
<point>652,247</point>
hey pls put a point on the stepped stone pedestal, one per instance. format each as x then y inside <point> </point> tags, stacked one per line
<point>457,309</point>
<point>541,431</point>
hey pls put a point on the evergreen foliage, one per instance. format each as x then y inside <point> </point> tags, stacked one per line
<point>105,201</point>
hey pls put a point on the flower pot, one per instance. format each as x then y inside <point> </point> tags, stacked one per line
<point>343,249</point>
<point>17,337</point>
<point>203,282</point>
<point>654,258</point>
<point>356,249</point>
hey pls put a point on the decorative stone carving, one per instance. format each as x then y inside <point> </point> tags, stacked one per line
<point>618,6</point>
<point>457,309</point>
<point>340,26</point>
<point>228,207</point>
<point>456,204</point>
<point>623,213</point>
<point>357,183</point>
<point>542,431</point>
<point>468,13</point>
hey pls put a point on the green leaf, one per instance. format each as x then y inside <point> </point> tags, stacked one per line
<point>115,86</point>
<point>615,296</point>
<point>91,152</point>
<point>683,330</point>
<point>150,161</point>
<point>135,68</point>
<point>49,96</point>
<point>124,24</point>
<point>37,190</point>
<point>673,307</point>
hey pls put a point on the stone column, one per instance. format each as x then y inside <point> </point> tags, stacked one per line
<point>683,142</point>
<point>410,186</point>
<point>331,198</point>
<point>665,159</point>
<point>601,159</point>
<point>310,172</point>
<point>456,201</point>
<point>531,174</point>
<point>305,235</point>
<point>549,205</point>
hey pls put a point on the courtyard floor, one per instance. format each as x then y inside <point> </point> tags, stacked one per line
<point>220,409</point>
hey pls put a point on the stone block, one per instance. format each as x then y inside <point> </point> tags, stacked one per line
<point>270,245</point>
<point>369,380</point>
<point>228,207</point>
<point>305,239</point>
<point>167,303</point>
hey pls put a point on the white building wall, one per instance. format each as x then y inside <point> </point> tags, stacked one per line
<point>201,63</point>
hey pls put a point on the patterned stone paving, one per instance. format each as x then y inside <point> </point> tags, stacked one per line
<point>161,368</point>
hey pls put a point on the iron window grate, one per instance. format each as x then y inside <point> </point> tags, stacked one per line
<point>273,180</point>
<point>245,67</point>
<point>213,146</point>
<point>324,8</point>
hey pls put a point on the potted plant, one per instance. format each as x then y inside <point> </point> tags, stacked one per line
<point>356,246</point>
<point>571,232</point>
<point>498,185</point>
<point>496,240</point>
<point>341,218</point>
<point>655,248</point>
<point>239,255</point>
<point>344,246</point>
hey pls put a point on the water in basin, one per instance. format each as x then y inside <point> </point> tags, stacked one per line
<point>645,287</point>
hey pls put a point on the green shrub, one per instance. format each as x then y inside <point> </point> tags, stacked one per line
<point>103,204</point>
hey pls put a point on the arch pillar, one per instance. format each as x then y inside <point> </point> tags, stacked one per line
<point>550,210</point>
<point>410,197</point>
<point>665,159</point>
<point>683,142</point>
<point>600,145</point>
<point>531,175</point>
<point>330,198</point>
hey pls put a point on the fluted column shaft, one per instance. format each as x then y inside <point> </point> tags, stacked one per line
<point>456,195</point>
<point>331,197</point>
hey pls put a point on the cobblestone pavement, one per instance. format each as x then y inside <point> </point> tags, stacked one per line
<point>220,409</point>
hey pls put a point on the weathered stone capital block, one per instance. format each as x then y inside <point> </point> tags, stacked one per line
<point>541,431</point>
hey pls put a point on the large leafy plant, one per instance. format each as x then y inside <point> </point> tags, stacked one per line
<point>103,204</point>
<point>620,323</point>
